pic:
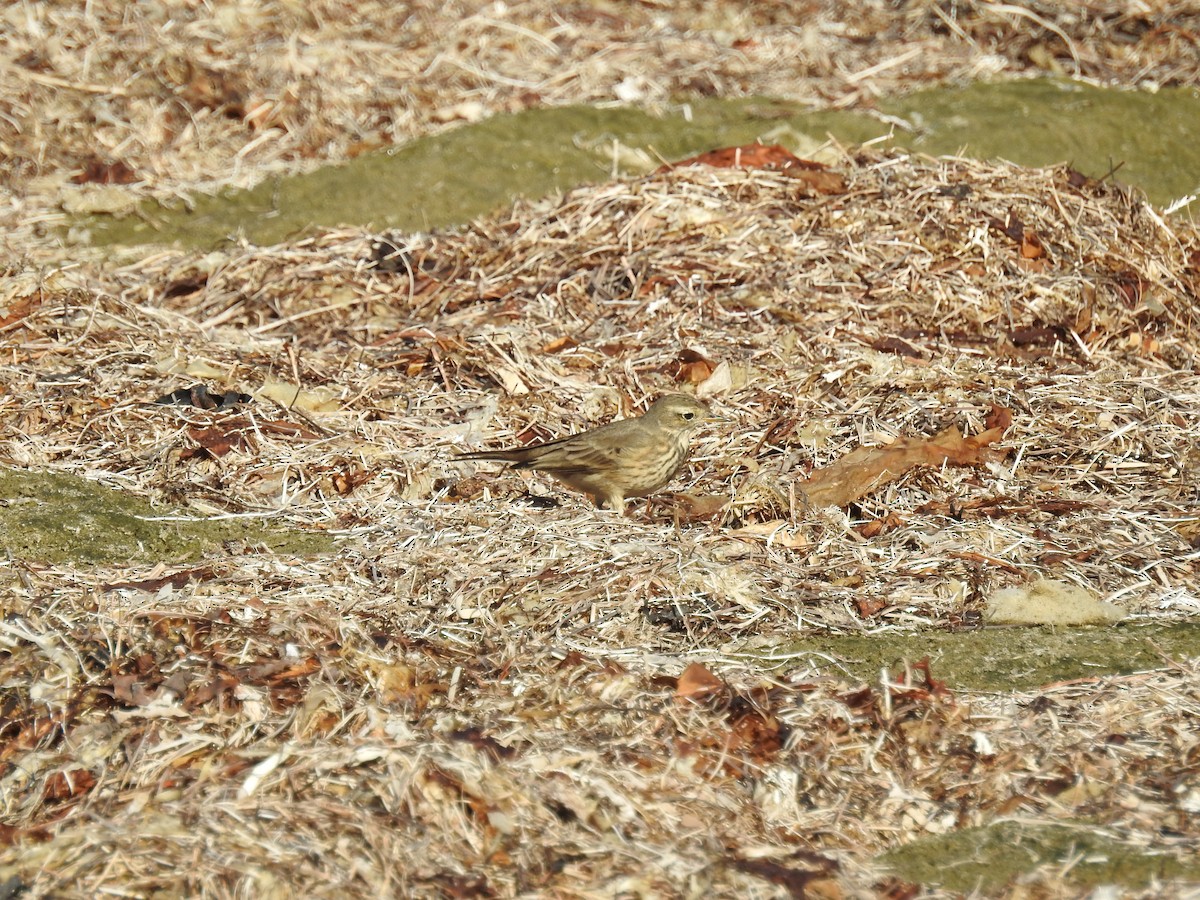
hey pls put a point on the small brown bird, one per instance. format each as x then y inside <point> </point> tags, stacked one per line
<point>630,458</point>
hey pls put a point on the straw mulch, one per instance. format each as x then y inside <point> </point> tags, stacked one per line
<point>488,688</point>
<point>476,695</point>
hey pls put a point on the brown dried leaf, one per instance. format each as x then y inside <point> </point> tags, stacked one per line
<point>1031,246</point>
<point>132,691</point>
<point>214,687</point>
<point>861,471</point>
<point>566,342</point>
<point>96,171</point>
<point>70,784</point>
<point>696,683</point>
<point>777,532</point>
<point>16,310</point>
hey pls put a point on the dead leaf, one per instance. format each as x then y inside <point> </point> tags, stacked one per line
<point>484,743</point>
<point>1038,335</point>
<point>130,690</point>
<point>697,507</point>
<point>210,689</point>
<point>1032,246</point>
<point>94,170</point>
<point>869,607</point>
<point>778,532</point>
<point>747,156</point>
<point>16,310</point>
<point>68,785</point>
<point>864,470</point>
<point>697,683</point>
<point>692,368</point>
<point>219,440</point>
<point>1000,417</point>
<point>816,177</point>
<point>566,342</point>
<point>795,882</point>
<point>757,735</point>
<point>897,346</point>
<point>176,580</point>
<point>876,527</point>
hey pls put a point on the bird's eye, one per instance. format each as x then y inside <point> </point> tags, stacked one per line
<point>688,415</point>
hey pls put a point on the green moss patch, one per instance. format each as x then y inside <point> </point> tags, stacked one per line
<point>988,857</point>
<point>1004,659</point>
<point>54,518</point>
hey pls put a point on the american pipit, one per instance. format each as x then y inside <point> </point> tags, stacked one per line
<point>630,458</point>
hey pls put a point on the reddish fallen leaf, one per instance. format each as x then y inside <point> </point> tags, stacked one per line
<point>894,889</point>
<point>876,527</point>
<point>869,607</point>
<point>484,743</point>
<point>186,286</point>
<point>1038,335</point>
<point>217,441</point>
<point>214,687</point>
<point>757,736</point>
<point>817,181</point>
<point>1130,285</point>
<point>864,470</point>
<point>349,478</point>
<point>566,342</point>
<point>897,346</point>
<point>817,177</point>
<point>983,559</point>
<point>176,580</point>
<point>935,687</point>
<point>130,690</point>
<point>795,882</point>
<point>747,156</point>
<point>1077,179</point>
<point>573,659</point>
<point>1000,417</point>
<point>19,309</point>
<point>1032,246</point>
<point>1011,226</point>
<point>96,171</point>
<point>237,433</point>
<point>697,507</point>
<point>276,671</point>
<point>693,371</point>
<point>696,683</point>
<point>68,785</point>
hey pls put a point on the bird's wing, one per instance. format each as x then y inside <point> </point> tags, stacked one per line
<point>599,449</point>
<point>573,457</point>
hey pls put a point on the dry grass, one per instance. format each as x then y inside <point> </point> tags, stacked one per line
<point>189,98</point>
<point>475,696</point>
<point>475,689</point>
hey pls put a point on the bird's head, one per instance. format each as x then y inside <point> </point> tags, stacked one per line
<point>679,412</point>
